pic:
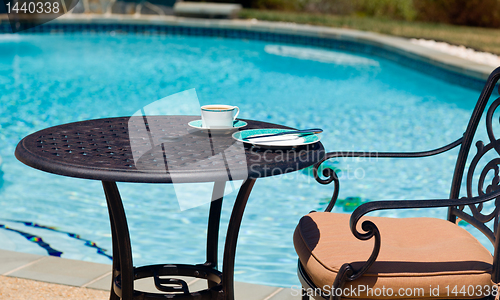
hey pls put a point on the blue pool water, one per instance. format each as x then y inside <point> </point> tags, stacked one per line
<point>361,102</point>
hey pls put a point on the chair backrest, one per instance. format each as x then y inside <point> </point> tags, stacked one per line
<point>490,171</point>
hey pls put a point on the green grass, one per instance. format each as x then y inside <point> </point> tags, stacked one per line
<point>483,39</point>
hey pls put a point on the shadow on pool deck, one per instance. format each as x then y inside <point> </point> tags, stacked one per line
<point>30,276</point>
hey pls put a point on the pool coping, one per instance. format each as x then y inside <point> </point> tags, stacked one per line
<point>397,45</point>
<point>97,276</point>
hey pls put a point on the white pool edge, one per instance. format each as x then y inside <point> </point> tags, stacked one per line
<point>398,45</point>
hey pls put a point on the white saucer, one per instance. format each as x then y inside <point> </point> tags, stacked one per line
<point>236,124</point>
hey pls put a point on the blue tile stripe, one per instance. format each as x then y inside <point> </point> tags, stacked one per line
<point>329,43</point>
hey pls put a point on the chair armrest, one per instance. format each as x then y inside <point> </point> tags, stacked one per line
<point>365,208</point>
<point>332,176</point>
<point>393,154</point>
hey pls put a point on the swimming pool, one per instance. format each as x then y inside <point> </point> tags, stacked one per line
<point>361,102</point>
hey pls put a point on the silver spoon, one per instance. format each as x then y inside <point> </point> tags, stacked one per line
<point>301,132</point>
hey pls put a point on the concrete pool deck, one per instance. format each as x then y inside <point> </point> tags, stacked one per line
<point>30,276</point>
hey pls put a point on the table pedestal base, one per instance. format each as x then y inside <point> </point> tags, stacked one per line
<point>177,288</point>
<point>220,285</point>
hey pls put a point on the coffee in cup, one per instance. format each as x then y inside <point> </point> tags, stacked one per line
<point>218,115</point>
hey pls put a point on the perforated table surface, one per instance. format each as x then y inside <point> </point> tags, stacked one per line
<point>156,149</point>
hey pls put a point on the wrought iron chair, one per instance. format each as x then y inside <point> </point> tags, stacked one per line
<point>409,257</point>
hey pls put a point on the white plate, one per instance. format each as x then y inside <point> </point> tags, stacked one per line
<point>283,141</point>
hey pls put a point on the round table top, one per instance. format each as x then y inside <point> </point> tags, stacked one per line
<point>156,149</point>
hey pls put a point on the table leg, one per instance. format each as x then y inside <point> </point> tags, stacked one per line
<point>116,258</point>
<point>213,227</point>
<point>122,263</point>
<point>232,237</point>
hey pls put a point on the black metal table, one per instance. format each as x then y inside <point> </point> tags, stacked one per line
<point>162,149</point>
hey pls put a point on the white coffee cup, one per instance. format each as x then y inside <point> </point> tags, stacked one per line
<point>218,115</point>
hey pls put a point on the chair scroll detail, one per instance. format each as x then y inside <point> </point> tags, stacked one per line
<point>478,218</point>
<point>456,205</point>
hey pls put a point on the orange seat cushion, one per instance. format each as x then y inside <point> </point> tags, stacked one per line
<point>420,254</point>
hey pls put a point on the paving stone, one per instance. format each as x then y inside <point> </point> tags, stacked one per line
<point>242,290</point>
<point>287,294</point>
<point>249,291</point>
<point>101,284</point>
<point>62,271</point>
<point>10,260</point>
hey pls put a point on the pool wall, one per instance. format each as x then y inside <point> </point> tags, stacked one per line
<point>446,67</point>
